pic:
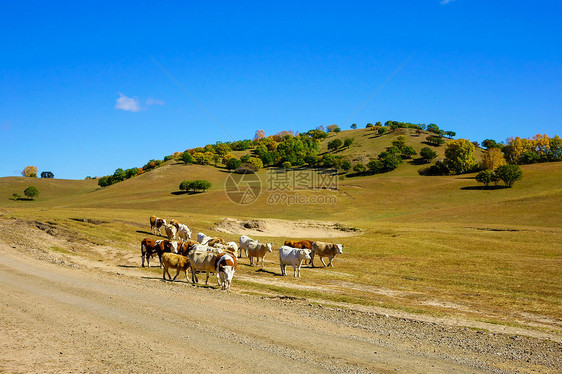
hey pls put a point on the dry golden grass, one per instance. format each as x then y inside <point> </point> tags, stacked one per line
<point>428,244</point>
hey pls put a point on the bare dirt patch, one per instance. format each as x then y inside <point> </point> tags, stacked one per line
<point>285,228</point>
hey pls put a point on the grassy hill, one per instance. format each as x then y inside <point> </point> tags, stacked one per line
<point>434,245</point>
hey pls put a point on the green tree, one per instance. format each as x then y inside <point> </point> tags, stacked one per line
<point>334,144</point>
<point>427,154</point>
<point>485,176</point>
<point>390,161</point>
<point>459,156</point>
<point>186,157</point>
<point>32,192</point>
<point>345,165</point>
<point>509,174</point>
<point>359,168</point>
<point>375,166</point>
<point>348,142</point>
<point>382,130</point>
<point>408,151</point>
<point>256,162</point>
<point>399,142</point>
<point>233,163</point>
<point>435,140</point>
<point>353,126</point>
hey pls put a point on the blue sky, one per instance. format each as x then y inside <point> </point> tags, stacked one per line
<point>81,95</point>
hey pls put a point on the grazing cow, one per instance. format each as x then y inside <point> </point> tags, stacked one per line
<point>228,247</point>
<point>151,247</point>
<point>174,222</point>
<point>294,257</point>
<point>258,250</point>
<point>185,247</point>
<point>203,261</point>
<point>171,232</point>
<point>302,244</point>
<point>225,267</point>
<point>322,249</point>
<point>178,262</point>
<point>214,241</point>
<point>156,223</point>
<point>243,241</point>
<point>184,233</point>
<point>202,238</point>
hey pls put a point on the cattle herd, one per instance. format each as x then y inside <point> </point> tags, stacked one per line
<point>215,255</point>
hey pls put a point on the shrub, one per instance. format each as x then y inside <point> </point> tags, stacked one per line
<point>359,168</point>
<point>168,158</point>
<point>105,181</point>
<point>408,151</point>
<point>427,154</point>
<point>16,196</point>
<point>233,163</point>
<point>485,176</point>
<point>245,158</point>
<point>31,192</point>
<point>382,130</point>
<point>435,140</point>
<point>348,142</point>
<point>509,174</point>
<point>129,173</point>
<point>399,142</point>
<point>438,169</point>
<point>286,165</point>
<point>345,165</point>
<point>375,166</point>
<point>256,162</point>
<point>390,161</point>
<point>329,161</point>
<point>334,144</point>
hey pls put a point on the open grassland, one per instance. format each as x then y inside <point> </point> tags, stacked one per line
<point>433,245</point>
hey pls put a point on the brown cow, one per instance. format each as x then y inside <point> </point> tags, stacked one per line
<point>180,263</point>
<point>151,247</point>
<point>211,242</point>
<point>225,267</point>
<point>185,247</point>
<point>156,223</point>
<point>301,244</point>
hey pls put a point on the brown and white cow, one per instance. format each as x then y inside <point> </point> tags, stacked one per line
<point>178,262</point>
<point>185,247</point>
<point>151,247</point>
<point>171,232</point>
<point>156,224</point>
<point>225,267</point>
<point>322,249</point>
<point>211,242</point>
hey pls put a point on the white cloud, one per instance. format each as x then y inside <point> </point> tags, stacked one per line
<point>127,103</point>
<point>150,101</point>
<point>445,2</point>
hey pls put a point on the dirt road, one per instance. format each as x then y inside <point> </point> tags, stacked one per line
<point>57,318</point>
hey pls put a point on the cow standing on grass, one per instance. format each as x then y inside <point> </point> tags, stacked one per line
<point>151,247</point>
<point>156,224</point>
<point>322,249</point>
<point>294,257</point>
<point>301,244</point>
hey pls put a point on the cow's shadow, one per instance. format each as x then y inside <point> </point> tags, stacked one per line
<point>128,266</point>
<point>261,270</point>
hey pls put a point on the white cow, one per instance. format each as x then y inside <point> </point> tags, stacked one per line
<point>294,257</point>
<point>184,233</point>
<point>203,261</point>
<point>202,238</point>
<point>243,241</point>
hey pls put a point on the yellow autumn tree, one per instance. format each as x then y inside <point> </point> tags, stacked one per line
<point>541,144</point>
<point>29,171</point>
<point>493,157</point>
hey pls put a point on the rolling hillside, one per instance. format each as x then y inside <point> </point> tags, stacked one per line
<point>437,245</point>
